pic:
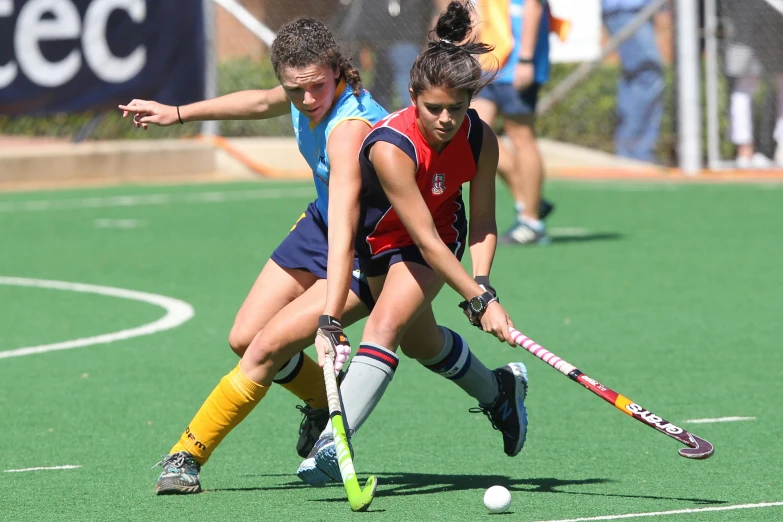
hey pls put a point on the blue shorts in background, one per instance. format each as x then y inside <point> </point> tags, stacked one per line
<point>306,248</point>
<point>511,102</point>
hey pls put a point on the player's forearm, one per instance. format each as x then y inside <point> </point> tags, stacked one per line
<point>448,267</point>
<point>531,22</point>
<point>483,242</point>
<point>242,105</point>
<point>339,264</point>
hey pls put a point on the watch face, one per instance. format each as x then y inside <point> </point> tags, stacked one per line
<point>476,304</point>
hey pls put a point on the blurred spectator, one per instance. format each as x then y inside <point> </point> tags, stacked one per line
<point>519,31</point>
<point>641,84</point>
<point>755,32</point>
<point>396,31</point>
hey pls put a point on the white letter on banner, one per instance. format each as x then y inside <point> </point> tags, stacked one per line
<point>104,64</point>
<point>9,70</point>
<point>31,29</point>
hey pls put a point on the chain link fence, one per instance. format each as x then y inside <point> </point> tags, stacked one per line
<point>744,82</point>
<point>620,99</point>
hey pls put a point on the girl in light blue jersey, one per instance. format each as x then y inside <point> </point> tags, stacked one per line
<point>331,115</point>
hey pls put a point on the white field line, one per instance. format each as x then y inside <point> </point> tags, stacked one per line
<point>177,312</point>
<point>42,469</point>
<point>676,512</point>
<point>154,199</point>
<point>719,419</point>
<point>117,223</point>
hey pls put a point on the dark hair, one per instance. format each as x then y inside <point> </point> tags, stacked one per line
<point>450,60</point>
<point>307,41</point>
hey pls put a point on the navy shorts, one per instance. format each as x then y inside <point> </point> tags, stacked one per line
<point>306,247</point>
<point>372,266</point>
<point>511,102</point>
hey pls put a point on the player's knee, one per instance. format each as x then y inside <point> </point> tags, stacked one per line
<point>266,348</point>
<point>385,328</point>
<point>239,339</point>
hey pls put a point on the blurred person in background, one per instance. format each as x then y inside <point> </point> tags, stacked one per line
<point>519,32</point>
<point>641,84</point>
<point>755,49</point>
<point>395,30</point>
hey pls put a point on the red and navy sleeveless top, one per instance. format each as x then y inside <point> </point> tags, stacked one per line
<point>439,176</point>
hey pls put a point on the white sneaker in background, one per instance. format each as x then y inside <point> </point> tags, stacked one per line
<point>779,155</point>
<point>757,161</point>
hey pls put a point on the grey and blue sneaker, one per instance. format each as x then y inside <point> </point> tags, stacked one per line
<point>508,414</point>
<point>313,424</point>
<point>321,465</point>
<point>522,233</point>
<point>180,475</point>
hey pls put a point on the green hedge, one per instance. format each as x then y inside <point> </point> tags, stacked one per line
<point>585,117</point>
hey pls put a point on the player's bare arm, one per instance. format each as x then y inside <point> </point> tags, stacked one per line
<point>396,173</point>
<point>345,183</point>
<point>255,104</point>
<point>483,234</point>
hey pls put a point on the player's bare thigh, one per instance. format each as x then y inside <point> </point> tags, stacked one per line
<point>274,288</point>
<point>291,330</point>
<point>402,295</point>
<point>486,109</point>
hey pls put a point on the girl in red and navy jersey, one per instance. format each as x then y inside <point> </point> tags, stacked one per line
<point>412,233</point>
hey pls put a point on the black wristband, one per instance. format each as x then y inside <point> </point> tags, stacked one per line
<point>179,117</point>
<point>328,320</point>
<point>525,60</point>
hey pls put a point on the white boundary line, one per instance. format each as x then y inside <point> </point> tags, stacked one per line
<point>155,199</point>
<point>676,512</point>
<point>719,419</point>
<point>177,312</point>
<point>68,466</point>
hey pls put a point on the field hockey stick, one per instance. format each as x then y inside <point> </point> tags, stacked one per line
<point>358,498</point>
<point>698,448</point>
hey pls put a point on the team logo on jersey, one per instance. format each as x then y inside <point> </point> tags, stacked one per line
<point>438,183</point>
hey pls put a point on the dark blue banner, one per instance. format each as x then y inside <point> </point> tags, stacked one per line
<point>77,55</point>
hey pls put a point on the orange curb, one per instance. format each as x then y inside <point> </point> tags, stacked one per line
<point>258,168</point>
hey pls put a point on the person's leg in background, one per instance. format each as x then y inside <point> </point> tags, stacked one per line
<point>639,89</point>
<point>527,171</point>
<point>779,124</point>
<point>741,123</point>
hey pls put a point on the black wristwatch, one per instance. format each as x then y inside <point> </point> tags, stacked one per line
<point>479,303</point>
<point>525,60</point>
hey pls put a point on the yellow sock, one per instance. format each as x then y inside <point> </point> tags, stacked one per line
<point>228,404</point>
<point>308,383</point>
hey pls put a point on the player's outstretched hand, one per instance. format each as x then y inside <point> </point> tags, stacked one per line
<point>146,112</point>
<point>330,336</point>
<point>496,321</point>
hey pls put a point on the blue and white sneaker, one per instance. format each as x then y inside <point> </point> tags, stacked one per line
<point>180,475</point>
<point>321,465</point>
<point>508,414</point>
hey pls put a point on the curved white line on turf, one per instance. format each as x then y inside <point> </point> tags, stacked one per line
<point>67,466</point>
<point>177,312</point>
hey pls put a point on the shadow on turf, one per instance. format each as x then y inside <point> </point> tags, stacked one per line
<point>424,484</point>
<point>583,238</point>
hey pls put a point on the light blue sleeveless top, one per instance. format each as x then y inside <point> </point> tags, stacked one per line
<point>540,55</point>
<point>312,140</point>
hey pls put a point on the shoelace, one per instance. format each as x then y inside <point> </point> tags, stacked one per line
<point>176,460</point>
<point>486,412</point>
<point>308,413</point>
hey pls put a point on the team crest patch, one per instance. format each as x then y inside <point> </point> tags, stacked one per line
<point>438,183</point>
